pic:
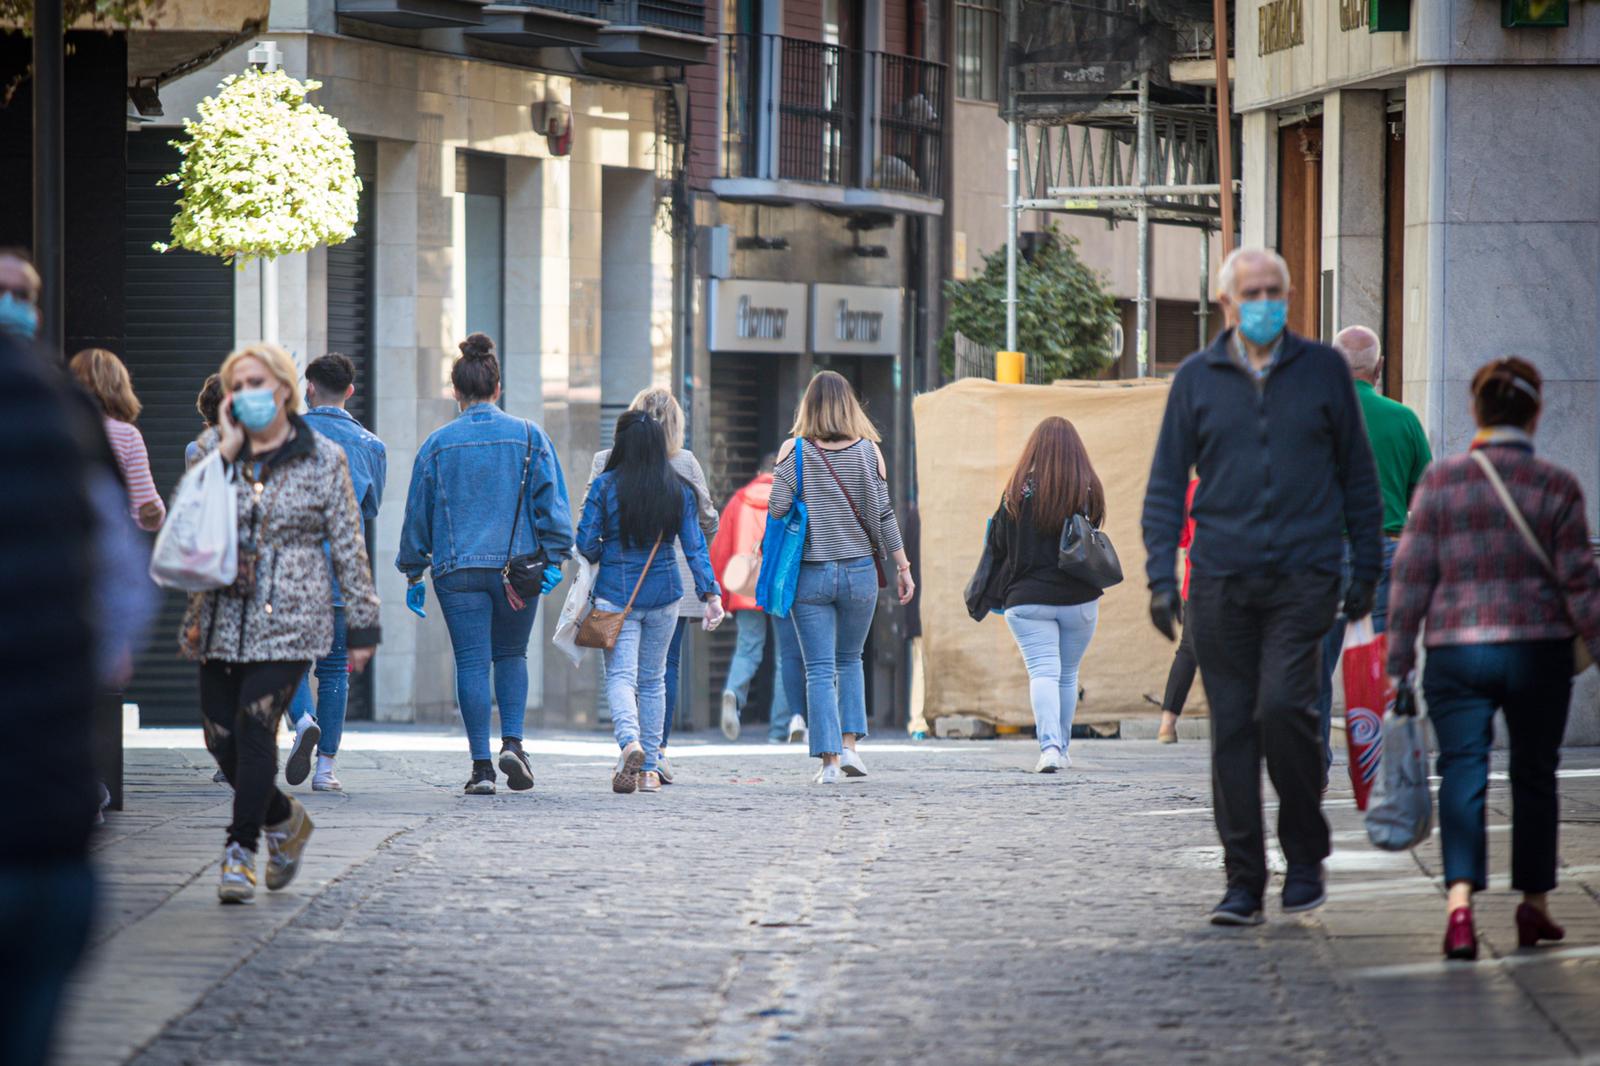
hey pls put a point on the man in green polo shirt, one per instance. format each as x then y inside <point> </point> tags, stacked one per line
<point>1399,446</point>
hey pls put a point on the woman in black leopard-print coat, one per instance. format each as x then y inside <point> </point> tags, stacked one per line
<point>255,639</point>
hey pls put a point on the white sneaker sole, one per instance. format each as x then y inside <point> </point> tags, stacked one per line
<point>305,745</point>
<point>326,786</point>
<point>851,770</point>
<point>730,716</point>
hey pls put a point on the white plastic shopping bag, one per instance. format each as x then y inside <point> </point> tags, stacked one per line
<point>198,547</point>
<point>1400,812</point>
<point>573,610</point>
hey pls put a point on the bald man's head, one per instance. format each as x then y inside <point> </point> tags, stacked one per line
<point>1362,350</point>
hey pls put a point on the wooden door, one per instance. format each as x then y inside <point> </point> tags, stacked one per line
<point>1300,221</point>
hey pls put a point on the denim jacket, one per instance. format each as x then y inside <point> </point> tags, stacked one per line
<point>369,465</point>
<point>463,496</point>
<point>600,541</point>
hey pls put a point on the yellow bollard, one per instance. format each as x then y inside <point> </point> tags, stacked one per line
<point>1008,367</point>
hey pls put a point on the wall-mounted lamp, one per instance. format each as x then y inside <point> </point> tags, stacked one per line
<point>146,100</point>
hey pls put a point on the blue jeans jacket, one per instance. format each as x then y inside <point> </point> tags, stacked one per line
<point>369,464</point>
<point>463,496</point>
<point>600,541</point>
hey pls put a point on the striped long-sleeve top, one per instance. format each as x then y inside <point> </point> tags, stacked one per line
<point>134,462</point>
<point>833,532</point>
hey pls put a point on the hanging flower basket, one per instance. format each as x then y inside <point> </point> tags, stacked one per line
<point>264,172</point>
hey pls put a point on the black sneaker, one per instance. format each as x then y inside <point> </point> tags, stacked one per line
<point>514,764</point>
<point>1303,887</point>
<point>1238,907</point>
<point>482,780</point>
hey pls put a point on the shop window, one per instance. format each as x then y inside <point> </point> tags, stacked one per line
<point>482,180</point>
<point>978,49</point>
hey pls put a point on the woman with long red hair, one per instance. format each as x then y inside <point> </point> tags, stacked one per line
<point>1051,614</point>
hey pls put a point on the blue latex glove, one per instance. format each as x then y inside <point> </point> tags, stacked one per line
<point>552,578</point>
<point>416,596</point>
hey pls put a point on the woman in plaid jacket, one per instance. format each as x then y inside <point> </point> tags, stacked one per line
<point>1498,615</point>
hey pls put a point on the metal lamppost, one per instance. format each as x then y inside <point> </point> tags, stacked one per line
<point>49,169</point>
<point>266,57</point>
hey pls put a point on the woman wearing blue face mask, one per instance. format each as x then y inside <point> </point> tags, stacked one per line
<point>255,639</point>
<point>485,489</point>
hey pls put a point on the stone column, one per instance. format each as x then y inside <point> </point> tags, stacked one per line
<point>1353,157</point>
<point>1259,225</point>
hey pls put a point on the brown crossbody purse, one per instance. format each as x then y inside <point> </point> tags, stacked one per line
<point>600,629</point>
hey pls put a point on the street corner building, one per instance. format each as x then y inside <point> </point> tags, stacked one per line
<point>1432,170</point>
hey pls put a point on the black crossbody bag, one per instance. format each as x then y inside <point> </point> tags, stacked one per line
<point>523,575</point>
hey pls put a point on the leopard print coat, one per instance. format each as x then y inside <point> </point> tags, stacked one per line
<point>303,499</point>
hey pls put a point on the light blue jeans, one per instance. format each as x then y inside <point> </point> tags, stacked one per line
<point>484,630</point>
<point>1053,640</point>
<point>636,677</point>
<point>748,651</point>
<point>789,682</point>
<point>833,608</point>
<point>333,690</point>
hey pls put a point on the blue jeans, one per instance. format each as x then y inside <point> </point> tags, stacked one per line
<point>1333,644</point>
<point>748,652</point>
<point>333,690</point>
<point>833,608</point>
<point>1464,685</point>
<point>789,683</point>
<point>44,925</point>
<point>484,630</point>
<point>1053,640</point>
<point>674,660</point>
<point>636,677</point>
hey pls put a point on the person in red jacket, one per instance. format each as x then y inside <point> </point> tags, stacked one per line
<point>1181,677</point>
<point>736,559</point>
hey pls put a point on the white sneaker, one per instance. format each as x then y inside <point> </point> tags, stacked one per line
<point>828,775</point>
<point>324,780</point>
<point>1049,762</point>
<point>797,729</point>
<point>850,762</point>
<point>238,884</point>
<point>730,716</point>
<point>306,735</point>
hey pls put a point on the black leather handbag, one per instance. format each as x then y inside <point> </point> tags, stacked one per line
<point>1086,554</point>
<point>523,575</point>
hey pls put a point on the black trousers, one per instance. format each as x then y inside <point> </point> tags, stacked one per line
<point>242,703</point>
<point>1180,678</point>
<point>1258,642</point>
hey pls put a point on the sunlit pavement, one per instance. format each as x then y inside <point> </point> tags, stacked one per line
<point>948,908</point>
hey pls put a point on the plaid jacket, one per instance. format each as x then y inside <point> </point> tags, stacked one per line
<point>1464,575</point>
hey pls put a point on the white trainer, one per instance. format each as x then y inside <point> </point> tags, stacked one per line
<point>238,884</point>
<point>850,763</point>
<point>1049,762</point>
<point>306,735</point>
<point>730,716</point>
<point>324,779</point>
<point>828,775</point>
<point>797,729</point>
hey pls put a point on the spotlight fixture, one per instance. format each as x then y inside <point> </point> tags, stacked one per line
<point>762,244</point>
<point>145,98</point>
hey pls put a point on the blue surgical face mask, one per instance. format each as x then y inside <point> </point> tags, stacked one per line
<point>18,317</point>
<point>255,408</point>
<point>1262,320</point>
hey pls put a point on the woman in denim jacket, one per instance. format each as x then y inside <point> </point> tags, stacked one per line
<point>460,512</point>
<point>634,512</point>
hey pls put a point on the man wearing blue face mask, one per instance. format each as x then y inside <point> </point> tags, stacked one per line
<point>1271,423</point>
<point>19,296</point>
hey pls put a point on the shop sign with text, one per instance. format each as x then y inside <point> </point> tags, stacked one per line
<point>855,320</point>
<point>757,316</point>
<point>1280,24</point>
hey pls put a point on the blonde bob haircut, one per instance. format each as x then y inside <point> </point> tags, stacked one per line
<point>661,405</point>
<point>279,363</point>
<point>830,411</point>
<point>103,374</point>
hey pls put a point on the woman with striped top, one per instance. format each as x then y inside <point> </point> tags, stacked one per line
<point>851,527</point>
<point>104,377</point>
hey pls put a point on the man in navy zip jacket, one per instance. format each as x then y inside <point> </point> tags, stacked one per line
<point>1271,423</point>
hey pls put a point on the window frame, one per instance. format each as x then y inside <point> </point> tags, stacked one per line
<point>981,21</point>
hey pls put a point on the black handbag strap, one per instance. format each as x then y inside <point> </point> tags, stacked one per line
<point>516,518</point>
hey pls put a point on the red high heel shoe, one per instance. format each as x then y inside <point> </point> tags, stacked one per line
<point>1534,925</point>
<point>1460,939</point>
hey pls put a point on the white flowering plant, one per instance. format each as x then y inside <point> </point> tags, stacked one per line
<point>264,172</point>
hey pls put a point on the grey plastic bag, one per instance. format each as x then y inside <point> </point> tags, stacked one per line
<point>1400,810</point>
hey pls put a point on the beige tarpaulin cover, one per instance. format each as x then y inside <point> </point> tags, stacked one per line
<point>969,436</point>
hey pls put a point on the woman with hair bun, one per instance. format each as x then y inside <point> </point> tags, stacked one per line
<point>1495,569</point>
<point>485,489</point>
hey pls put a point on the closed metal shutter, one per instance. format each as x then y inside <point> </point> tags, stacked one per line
<point>180,326</point>
<point>351,275</point>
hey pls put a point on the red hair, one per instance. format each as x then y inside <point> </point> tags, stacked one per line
<point>1055,471</point>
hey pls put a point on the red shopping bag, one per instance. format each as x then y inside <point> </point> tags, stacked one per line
<point>1366,697</point>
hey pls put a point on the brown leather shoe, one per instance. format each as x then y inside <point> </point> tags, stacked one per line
<point>649,781</point>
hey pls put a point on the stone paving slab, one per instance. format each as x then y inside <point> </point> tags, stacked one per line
<point>949,908</point>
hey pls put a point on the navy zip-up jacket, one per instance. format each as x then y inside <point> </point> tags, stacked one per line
<point>1285,468</point>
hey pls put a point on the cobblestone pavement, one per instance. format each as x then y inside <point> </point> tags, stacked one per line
<point>950,908</point>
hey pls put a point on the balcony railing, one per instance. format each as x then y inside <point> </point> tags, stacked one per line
<point>823,114</point>
<point>680,16</point>
<point>585,8</point>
